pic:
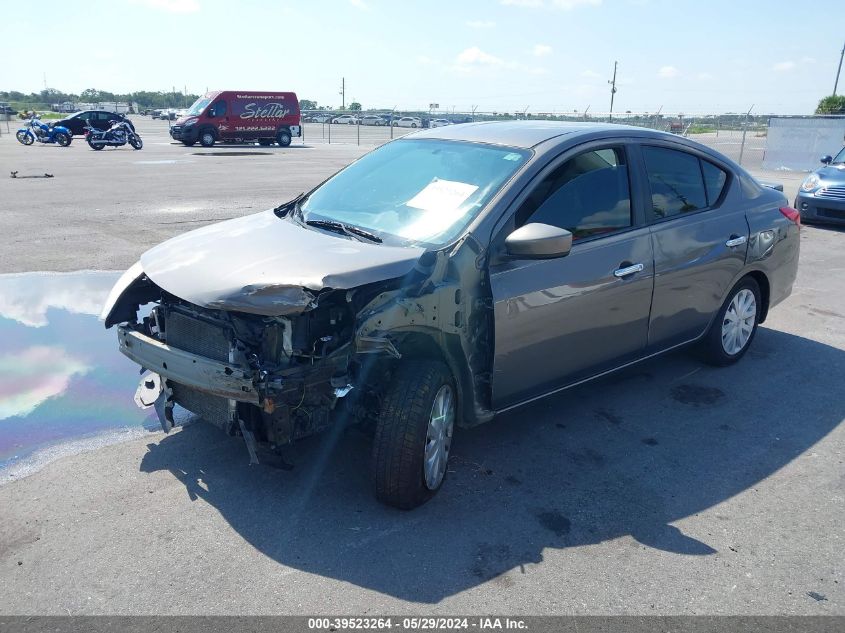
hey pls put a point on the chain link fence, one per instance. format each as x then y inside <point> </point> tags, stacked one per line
<point>743,137</point>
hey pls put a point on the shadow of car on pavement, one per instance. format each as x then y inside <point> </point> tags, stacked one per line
<point>624,456</point>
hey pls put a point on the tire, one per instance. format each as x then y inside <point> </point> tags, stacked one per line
<point>25,138</point>
<point>62,139</point>
<point>283,138</point>
<point>135,141</point>
<point>403,436</point>
<point>719,345</point>
<point>95,145</point>
<point>207,138</point>
<point>413,125</point>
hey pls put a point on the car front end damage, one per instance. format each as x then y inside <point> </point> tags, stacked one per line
<point>277,378</point>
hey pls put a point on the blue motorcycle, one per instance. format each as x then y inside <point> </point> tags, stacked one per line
<point>35,130</point>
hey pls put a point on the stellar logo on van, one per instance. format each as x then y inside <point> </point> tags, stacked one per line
<point>265,111</point>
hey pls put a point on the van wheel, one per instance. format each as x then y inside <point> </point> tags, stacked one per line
<point>283,138</point>
<point>414,434</point>
<point>207,138</point>
<point>734,328</point>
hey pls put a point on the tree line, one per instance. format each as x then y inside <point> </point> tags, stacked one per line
<point>144,98</point>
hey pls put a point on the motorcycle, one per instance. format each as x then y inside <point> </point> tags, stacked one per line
<point>35,130</point>
<point>120,133</point>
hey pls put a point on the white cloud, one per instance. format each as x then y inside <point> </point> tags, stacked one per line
<point>481,24</point>
<point>668,72</point>
<point>566,5</point>
<point>171,6</point>
<point>784,66</point>
<point>32,376</point>
<point>360,4</point>
<point>541,50</point>
<point>474,56</point>
<point>592,74</point>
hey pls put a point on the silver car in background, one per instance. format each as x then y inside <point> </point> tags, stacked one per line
<point>821,197</point>
<point>451,276</point>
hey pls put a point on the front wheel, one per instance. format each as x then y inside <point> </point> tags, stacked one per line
<point>283,138</point>
<point>62,139</point>
<point>135,141</point>
<point>414,434</point>
<point>24,137</point>
<point>207,138</point>
<point>731,333</point>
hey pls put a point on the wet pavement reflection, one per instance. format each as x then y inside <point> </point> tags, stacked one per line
<point>62,377</point>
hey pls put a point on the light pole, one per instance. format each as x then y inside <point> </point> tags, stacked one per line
<point>612,90</point>
<point>838,70</point>
<point>343,93</point>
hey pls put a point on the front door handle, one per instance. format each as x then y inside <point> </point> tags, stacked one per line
<point>736,240</point>
<point>628,270</point>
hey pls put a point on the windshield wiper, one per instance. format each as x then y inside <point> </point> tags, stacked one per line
<point>345,229</point>
<point>285,208</point>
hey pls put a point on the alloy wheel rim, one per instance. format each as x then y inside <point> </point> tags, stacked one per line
<point>438,439</point>
<point>738,323</point>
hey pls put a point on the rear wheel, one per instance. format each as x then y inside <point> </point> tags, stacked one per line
<point>207,138</point>
<point>95,145</point>
<point>414,434</point>
<point>734,328</point>
<point>283,138</point>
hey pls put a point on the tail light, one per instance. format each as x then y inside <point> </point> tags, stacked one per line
<point>791,214</point>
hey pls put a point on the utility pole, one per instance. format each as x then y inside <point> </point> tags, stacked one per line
<point>612,90</point>
<point>342,93</point>
<point>838,70</point>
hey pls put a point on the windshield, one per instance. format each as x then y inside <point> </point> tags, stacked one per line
<point>416,190</point>
<point>198,107</point>
<point>840,157</point>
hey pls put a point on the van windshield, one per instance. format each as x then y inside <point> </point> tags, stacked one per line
<point>198,107</point>
<point>414,191</point>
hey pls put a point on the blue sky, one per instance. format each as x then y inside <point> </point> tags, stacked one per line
<point>498,55</point>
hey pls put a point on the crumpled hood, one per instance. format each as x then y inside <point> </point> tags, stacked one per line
<point>266,265</point>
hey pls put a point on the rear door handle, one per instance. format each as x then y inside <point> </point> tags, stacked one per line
<point>736,240</point>
<point>628,270</point>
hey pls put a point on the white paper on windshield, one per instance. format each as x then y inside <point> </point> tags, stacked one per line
<point>441,201</point>
<point>442,196</point>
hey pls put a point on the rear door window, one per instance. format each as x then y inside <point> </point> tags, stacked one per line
<point>676,183</point>
<point>714,181</point>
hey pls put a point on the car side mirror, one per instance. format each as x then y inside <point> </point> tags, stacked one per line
<point>826,160</point>
<point>539,241</point>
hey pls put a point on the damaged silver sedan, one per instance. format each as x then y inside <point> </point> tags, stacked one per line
<point>451,275</point>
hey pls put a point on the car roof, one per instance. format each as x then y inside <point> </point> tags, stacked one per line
<point>522,134</point>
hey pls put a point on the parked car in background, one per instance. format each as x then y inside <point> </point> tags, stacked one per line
<point>372,119</point>
<point>439,122</point>
<point>407,121</point>
<point>240,115</point>
<point>453,275</point>
<point>348,119</point>
<point>100,119</point>
<point>821,197</point>
<point>322,117</point>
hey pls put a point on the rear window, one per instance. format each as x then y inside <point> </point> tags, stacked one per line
<point>681,182</point>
